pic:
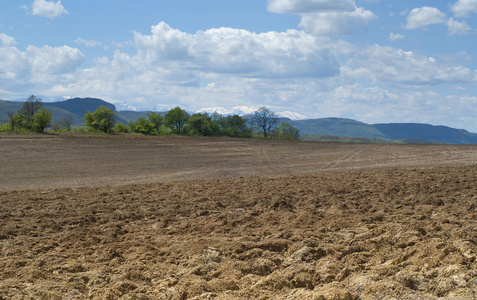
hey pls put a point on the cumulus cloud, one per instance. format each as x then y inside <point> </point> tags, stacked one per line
<point>54,60</point>
<point>458,28</point>
<point>87,43</point>
<point>48,9</point>
<point>222,65</point>
<point>395,36</point>
<point>464,8</point>
<point>420,18</point>
<point>325,17</point>
<point>240,52</point>
<point>22,69</point>
<point>13,65</point>
<point>7,41</point>
<point>386,65</point>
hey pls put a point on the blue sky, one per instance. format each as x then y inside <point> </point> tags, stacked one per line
<point>375,61</point>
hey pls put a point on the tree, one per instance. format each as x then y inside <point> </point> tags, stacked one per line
<point>287,132</point>
<point>121,127</point>
<point>142,125</point>
<point>176,119</point>
<point>265,120</point>
<point>156,119</point>
<point>41,120</point>
<point>14,120</point>
<point>200,124</point>
<point>236,126</point>
<point>67,122</point>
<point>31,106</point>
<point>101,119</point>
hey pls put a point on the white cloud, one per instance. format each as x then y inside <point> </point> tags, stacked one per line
<point>325,17</point>
<point>335,23</point>
<point>377,105</point>
<point>306,6</point>
<point>54,60</point>
<point>240,52</point>
<point>7,41</point>
<point>464,8</point>
<point>48,9</point>
<point>37,67</point>
<point>386,65</point>
<point>13,66</point>
<point>87,43</point>
<point>395,36</point>
<point>220,66</point>
<point>458,28</point>
<point>420,18</point>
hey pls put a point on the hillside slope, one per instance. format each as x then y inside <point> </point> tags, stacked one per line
<point>76,107</point>
<point>79,106</point>
<point>419,133</point>
<point>427,132</point>
<point>338,127</point>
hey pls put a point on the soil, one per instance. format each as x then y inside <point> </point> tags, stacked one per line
<point>124,217</point>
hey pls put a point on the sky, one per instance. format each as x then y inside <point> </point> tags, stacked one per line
<point>375,61</point>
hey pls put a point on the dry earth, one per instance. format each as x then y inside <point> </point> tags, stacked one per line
<point>191,218</point>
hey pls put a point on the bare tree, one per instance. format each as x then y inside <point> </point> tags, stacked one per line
<point>14,120</point>
<point>67,121</point>
<point>265,120</point>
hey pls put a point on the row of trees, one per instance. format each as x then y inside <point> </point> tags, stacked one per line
<point>264,123</point>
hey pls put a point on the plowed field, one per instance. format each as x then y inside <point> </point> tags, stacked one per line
<point>124,217</point>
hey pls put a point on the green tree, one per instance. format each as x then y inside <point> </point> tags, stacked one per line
<point>156,119</point>
<point>200,124</point>
<point>41,120</point>
<point>142,125</point>
<point>176,119</point>
<point>31,106</point>
<point>102,119</point>
<point>287,132</point>
<point>121,127</point>
<point>265,121</point>
<point>236,126</point>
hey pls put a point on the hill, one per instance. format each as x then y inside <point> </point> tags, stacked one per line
<point>79,106</point>
<point>397,132</point>
<point>337,127</point>
<point>427,132</point>
<point>76,107</point>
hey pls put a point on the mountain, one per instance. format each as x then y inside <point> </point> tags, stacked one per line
<point>79,106</point>
<point>291,115</point>
<point>76,107</point>
<point>245,110</point>
<point>427,132</point>
<point>406,132</point>
<point>337,127</point>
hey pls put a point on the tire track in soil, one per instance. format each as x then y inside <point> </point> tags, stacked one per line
<point>346,158</point>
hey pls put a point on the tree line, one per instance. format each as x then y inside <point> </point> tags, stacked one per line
<point>264,123</point>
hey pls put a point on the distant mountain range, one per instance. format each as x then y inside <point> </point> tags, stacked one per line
<point>407,132</point>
